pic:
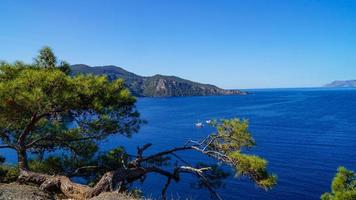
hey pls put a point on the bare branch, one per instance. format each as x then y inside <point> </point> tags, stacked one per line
<point>162,172</point>
<point>164,190</point>
<point>28,128</point>
<point>210,188</point>
<point>6,146</point>
<point>34,119</point>
<point>31,144</point>
<point>166,153</point>
<point>199,172</point>
<point>192,169</point>
<point>142,149</point>
<point>86,167</point>
<point>179,158</point>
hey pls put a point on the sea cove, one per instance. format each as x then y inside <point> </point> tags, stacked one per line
<point>305,134</point>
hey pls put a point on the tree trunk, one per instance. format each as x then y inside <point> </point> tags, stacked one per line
<point>22,158</point>
<point>54,183</point>
<point>77,191</point>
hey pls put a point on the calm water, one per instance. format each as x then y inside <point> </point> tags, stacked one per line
<point>305,134</point>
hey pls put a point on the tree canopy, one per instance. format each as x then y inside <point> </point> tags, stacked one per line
<point>343,186</point>
<point>47,59</point>
<point>43,109</point>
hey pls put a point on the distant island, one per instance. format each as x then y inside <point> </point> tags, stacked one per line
<point>346,83</point>
<point>154,86</point>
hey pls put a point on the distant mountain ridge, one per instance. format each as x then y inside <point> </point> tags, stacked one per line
<point>346,83</point>
<point>154,86</point>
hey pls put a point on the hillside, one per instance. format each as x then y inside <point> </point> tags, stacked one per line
<point>347,83</point>
<point>154,86</point>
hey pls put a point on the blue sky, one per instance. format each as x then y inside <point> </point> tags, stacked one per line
<point>233,44</point>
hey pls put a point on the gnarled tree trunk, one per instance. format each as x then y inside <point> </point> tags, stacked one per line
<point>107,183</point>
<point>22,158</point>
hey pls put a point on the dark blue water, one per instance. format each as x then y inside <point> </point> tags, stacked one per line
<point>305,134</point>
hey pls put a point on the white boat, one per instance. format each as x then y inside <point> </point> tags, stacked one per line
<point>199,125</point>
<point>208,121</point>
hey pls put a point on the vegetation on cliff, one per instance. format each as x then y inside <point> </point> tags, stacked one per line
<point>154,86</point>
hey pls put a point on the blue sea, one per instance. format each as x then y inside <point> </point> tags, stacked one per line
<point>305,134</point>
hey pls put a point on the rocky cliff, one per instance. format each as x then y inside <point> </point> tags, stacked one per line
<point>155,86</point>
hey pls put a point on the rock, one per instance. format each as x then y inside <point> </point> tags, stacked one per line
<point>113,196</point>
<point>15,191</point>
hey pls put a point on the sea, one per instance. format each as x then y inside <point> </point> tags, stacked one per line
<point>305,134</point>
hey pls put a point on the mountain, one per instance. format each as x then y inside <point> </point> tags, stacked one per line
<point>154,86</point>
<point>347,83</point>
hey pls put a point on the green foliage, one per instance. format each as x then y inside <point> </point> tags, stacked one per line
<point>231,139</point>
<point>343,186</point>
<point>46,58</point>
<point>8,173</point>
<point>233,135</point>
<point>136,193</point>
<point>26,92</point>
<point>43,109</point>
<point>88,167</point>
<point>51,165</point>
<point>65,67</point>
<point>114,159</point>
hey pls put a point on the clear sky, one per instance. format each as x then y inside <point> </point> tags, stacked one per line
<point>233,44</point>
